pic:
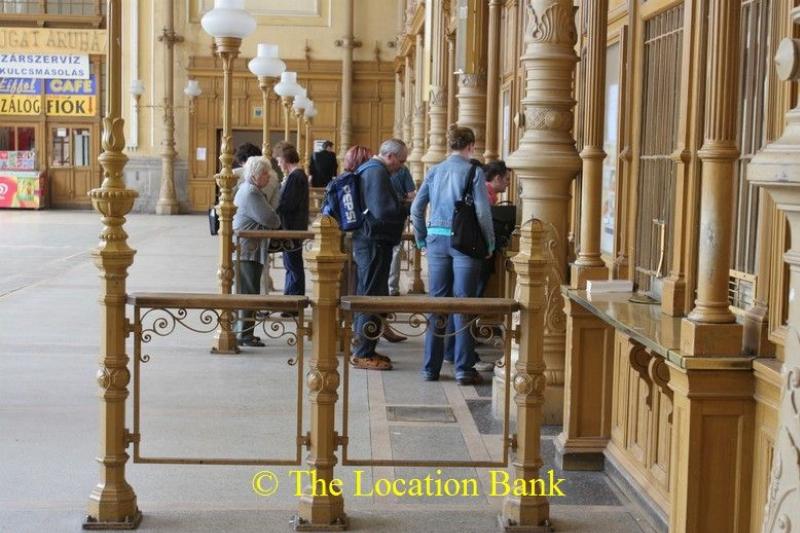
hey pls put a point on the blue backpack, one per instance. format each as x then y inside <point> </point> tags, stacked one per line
<point>342,201</point>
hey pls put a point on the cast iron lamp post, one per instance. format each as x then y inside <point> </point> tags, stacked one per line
<point>287,89</point>
<point>299,105</point>
<point>228,23</point>
<point>266,66</point>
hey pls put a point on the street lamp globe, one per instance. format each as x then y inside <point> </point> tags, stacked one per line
<point>192,89</point>
<point>228,19</point>
<point>311,110</point>
<point>267,64</point>
<point>137,88</point>
<point>288,86</point>
<point>300,100</point>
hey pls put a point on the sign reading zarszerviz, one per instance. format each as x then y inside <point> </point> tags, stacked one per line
<point>44,66</point>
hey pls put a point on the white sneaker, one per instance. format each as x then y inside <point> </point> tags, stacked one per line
<point>484,366</point>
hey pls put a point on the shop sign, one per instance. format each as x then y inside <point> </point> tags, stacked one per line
<point>52,40</point>
<point>21,190</point>
<point>44,66</point>
<point>74,98</point>
<point>20,96</point>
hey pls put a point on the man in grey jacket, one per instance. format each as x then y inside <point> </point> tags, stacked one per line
<point>253,212</point>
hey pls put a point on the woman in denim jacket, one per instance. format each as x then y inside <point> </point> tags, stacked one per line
<point>451,273</point>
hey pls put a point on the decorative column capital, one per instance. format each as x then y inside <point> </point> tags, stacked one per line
<point>551,22</point>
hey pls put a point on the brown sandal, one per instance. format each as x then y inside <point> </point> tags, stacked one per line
<point>370,363</point>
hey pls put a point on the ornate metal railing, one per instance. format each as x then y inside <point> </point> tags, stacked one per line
<point>162,314</point>
<point>488,320</point>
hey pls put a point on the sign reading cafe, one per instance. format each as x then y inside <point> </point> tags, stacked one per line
<point>44,66</point>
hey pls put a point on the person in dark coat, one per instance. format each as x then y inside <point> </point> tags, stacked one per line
<point>323,166</point>
<point>384,219</point>
<point>293,211</point>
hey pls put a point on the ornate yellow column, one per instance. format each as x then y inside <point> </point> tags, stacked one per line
<point>529,513</point>
<point>224,338</point>
<point>298,116</point>
<point>347,43</point>
<point>472,80</point>
<point>711,328</point>
<point>546,161</point>
<point>408,101</point>
<point>167,202</point>
<point>437,97</point>
<point>492,152</point>
<point>265,83</point>
<point>319,512</point>
<point>589,264</point>
<point>417,150</point>
<point>112,503</point>
<point>286,102</point>
<point>452,81</point>
<point>397,130</point>
<point>776,169</point>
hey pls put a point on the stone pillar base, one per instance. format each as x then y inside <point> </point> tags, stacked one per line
<point>499,389</point>
<point>673,296</point>
<point>699,338</point>
<point>506,525</point>
<point>580,274</point>
<point>167,208</point>
<point>225,343</point>
<point>579,456</point>
<point>132,522</point>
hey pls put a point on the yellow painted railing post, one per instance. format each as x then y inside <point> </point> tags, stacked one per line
<point>532,512</point>
<point>112,503</point>
<point>318,508</point>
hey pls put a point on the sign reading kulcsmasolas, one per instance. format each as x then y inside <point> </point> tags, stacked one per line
<point>44,66</point>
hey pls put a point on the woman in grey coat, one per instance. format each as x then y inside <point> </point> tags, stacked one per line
<point>253,212</point>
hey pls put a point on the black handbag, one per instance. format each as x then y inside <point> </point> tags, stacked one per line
<point>213,221</point>
<point>467,236</point>
<point>504,219</point>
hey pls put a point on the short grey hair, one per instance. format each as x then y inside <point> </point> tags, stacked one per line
<point>393,147</point>
<point>256,166</point>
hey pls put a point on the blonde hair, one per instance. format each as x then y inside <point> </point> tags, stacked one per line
<point>256,166</point>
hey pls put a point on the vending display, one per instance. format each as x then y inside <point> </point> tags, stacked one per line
<point>21,187</point>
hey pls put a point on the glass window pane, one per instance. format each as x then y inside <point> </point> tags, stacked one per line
<point>26,138</point>
<point>82,144</point>
<point>610,146</point>
<point>60,152</point>
<point>8,138</point>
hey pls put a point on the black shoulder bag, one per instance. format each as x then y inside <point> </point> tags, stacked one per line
<point>467,236</point>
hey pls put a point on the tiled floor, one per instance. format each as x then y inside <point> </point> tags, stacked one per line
<point>198,405</point>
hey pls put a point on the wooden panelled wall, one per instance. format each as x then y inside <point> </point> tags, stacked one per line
<point>372,114</point>
<point>658,177</point>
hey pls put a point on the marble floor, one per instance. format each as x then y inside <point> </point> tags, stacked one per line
<point>194,404</point>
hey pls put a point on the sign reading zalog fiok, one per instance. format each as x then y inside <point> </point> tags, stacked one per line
<point>74,98</point>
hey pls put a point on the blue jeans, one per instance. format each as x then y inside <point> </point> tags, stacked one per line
<point>295,283</point>
<point>450,341</point>
<point>450,273</point>
<point>373,259</point>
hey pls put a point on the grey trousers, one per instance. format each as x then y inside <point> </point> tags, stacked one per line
<point>249,282</point>
<point>394,270</point>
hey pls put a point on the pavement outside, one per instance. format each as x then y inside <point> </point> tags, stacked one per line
<point>194,404</point>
